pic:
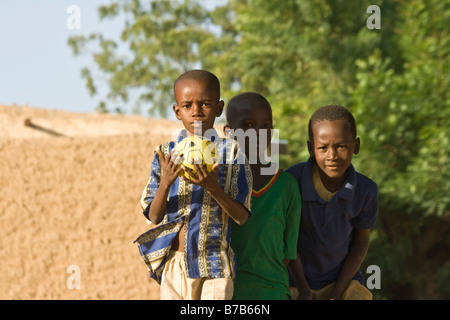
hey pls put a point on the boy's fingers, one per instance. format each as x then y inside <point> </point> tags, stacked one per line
<point>193,176</point>
<point>161,155</point>
<point>178,159</point>
<point>199,168</point>
<point>188,179</point>
<point>179,169</point>
<point>174,155</point>
<point>186,169</point>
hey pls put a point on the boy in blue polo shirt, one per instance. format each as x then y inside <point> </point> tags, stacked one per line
<point>339,207</point>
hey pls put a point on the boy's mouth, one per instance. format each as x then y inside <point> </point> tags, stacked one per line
<point>333,166</point>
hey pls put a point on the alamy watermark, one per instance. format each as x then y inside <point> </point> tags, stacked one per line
<point>374,280</point>
<point>74,280</point>
<point>374,21</point>
<point>261,147</point>
<point>73,21</point>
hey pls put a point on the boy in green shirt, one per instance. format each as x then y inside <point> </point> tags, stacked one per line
<point>268,240</point>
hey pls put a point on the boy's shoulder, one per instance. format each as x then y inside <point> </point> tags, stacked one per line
<point>282,180</point>
<point>287,183</point>
<point>365,182</point>
<point>286,177</point>
<point>297,169</point>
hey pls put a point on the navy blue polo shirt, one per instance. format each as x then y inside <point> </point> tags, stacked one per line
<point>326,228</point>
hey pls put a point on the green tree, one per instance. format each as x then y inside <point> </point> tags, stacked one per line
<point>161,38</point>
<point>404,117</point>
<point>305,54</point>
<point>301,55</point>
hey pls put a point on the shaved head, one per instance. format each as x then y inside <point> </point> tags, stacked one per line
<point>332,113</point>
<point>201,75</point>
<point>245,100</point>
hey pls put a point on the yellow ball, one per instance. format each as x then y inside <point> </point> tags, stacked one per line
<point>196,147</point>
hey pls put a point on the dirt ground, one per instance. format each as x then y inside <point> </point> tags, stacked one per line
<point>69,198</point>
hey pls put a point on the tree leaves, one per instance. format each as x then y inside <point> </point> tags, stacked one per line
<point>161,37</point>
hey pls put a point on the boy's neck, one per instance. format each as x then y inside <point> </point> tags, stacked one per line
<point>332,184</point>
<point>259,180</point>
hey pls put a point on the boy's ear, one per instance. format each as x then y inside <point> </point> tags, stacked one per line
<point>310,147</point>
<point>357,146</point>
<point>219,108</point>
<point>176,109</point>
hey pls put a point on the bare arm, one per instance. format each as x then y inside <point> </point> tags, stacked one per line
<point>355,257</point>
<point>208,180</point>
<point>296,269</point>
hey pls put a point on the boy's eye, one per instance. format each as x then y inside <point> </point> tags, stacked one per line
<point>186,105</point>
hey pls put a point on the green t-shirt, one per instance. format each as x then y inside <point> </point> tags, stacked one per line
<point>268,237</point>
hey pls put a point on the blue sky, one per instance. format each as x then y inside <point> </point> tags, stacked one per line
<point>37,66</point>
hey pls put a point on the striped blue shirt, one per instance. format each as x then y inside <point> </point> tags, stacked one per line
<point>207,230</point>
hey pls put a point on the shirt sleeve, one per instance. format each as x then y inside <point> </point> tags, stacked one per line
<point>367,217</point>
<point>293,215</point>
<point>152,185</point>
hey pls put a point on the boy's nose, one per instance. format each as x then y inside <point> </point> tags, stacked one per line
<point>332,154</point>
<point>196,110</point>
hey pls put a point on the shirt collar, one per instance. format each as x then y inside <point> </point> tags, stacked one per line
<point>307,186</point>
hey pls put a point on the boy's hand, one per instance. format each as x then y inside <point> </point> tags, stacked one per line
<point>169,173</point>
<point>169,167</point>
<point>304,295</point>
<point>335,295</point>
<point>208,180</point>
